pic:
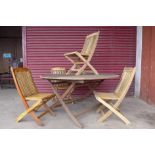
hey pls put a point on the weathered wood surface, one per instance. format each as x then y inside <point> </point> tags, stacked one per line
<point>74,80</point>
<point>89,77</point>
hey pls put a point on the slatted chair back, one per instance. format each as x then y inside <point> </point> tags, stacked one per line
<point>59,71</point>
<point>125,82</point>
<point>24,81</point>
<point>90,44</point>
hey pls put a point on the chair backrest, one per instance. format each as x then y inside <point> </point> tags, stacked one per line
<point>90,44</point>
<point>59,71</point>
<point>24,82</point>
<point>125,82</point>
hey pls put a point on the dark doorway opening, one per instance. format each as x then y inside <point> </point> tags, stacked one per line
<point>10,51</point>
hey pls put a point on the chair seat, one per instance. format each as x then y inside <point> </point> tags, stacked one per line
<point>76,53</point>
<point>40,96</point>
<point>107,96</point>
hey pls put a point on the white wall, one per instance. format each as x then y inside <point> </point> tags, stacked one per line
<point>138,60</point>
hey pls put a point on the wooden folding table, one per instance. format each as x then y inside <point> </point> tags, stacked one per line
<point>74,80</point>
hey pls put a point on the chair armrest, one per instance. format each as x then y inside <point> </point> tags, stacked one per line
<point>71,53</point>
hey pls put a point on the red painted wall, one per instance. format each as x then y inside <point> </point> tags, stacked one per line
<point>148,65</point>
<point>44,48</point>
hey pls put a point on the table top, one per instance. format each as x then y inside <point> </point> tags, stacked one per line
<point>87,77</point>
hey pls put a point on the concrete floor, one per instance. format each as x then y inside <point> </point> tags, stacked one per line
<point>137,111</point>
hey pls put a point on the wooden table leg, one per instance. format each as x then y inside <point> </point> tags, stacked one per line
<point>60,98</point>
<point>92,87</point>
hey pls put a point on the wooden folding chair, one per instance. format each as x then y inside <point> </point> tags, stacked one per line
<point>113,100</point>
<point>81,61</point>
<point>59,85</point>
<point>28,92</point>
<point>59,71</point>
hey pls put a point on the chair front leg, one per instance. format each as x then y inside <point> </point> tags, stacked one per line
<point>35,118</point>
<point>109,112</point>
<point>87,63</point>
<point>113,110</point>
<point>22,115</point>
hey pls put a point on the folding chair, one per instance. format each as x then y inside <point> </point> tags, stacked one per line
<point>59,85</point>
<point>81,61</point>
<point>59,71</point>
<point>112,100</point>
<point>28,92</point>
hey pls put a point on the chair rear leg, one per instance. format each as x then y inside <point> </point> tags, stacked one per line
<point>36,119</point>
<point>123,118</point>
<point>108,113</point>
<point>113,110</point>
<point>81,70</point>
<point>87,64</point>
<point>100,108</point>
<point>70,70</point>
<point>49,109</point>
<point>92,68</point>
<point>105,116</point>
